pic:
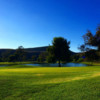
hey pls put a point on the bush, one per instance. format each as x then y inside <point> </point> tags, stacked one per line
<point>80,60</point>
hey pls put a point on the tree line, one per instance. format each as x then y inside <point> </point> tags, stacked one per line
<point>59,51</point>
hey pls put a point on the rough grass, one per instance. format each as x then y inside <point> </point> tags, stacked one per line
<point>45,83</point>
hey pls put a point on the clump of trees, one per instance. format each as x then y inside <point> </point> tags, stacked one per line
<point>91,46</point>
<point>42,57</point>
<point>19,55</point>
<point>59,51</point>
<point>76,58</point>
<point>5,55</point>
<point>91,40</point>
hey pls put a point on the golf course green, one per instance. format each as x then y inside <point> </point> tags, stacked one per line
<point>20,82</point>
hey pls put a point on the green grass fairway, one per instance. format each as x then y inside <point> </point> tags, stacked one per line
<point>45,83</point>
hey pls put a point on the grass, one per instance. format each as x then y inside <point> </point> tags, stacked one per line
<point>44,83</point>
<point>14,63</point>
<point>92,63</point>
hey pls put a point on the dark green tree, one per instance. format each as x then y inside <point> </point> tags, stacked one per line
<point>20,54</point>
<point>42,57</point>
<point>92,40</point>
<point>12,58</point>
<point>5,55</point>
<point>92,56</point>
<point>0,59</point>
<point>33,58</point>
<point>59,51</point>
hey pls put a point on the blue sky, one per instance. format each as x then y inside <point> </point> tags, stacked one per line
<point>33,23</point>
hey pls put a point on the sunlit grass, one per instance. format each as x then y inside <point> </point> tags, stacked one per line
<point>48,83</point>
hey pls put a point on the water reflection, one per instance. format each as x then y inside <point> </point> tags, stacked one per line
<point>56,65</point>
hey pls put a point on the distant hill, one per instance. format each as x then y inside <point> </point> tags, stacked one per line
<point>37,49</point>
<point>30,51</point>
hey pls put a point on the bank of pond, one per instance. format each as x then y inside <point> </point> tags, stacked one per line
<point>49,64</point>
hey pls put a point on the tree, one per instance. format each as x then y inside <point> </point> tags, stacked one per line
<point>59,51</point>
<point>83,48</point>
<point>20,54</point>
<point>92,56</point>
<point>5,55</point>
<point>12,58</point>
<point>33,58</point>
<point>91,40</point>
<point>75,57</point>
<point>42,57</point>
<point>0,59</point>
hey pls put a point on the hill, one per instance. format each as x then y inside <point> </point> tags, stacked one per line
<point>30,52</point>
<point>37,49</point>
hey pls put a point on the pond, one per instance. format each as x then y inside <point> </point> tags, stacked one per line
<point>56,65</point>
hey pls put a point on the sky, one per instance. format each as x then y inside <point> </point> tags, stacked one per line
<point>34,23</point>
